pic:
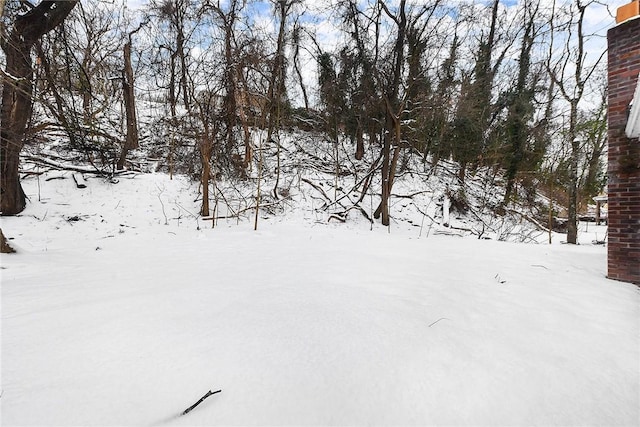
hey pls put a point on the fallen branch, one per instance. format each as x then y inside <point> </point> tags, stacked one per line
<point>364,180</point>
<point>337,217</point>
<point>410,196</point>
<point>25,173</point>
<point>241,211</point>
<point>190,408</point>
<point>317,187</point>
<point>530,219</point>
<point>343,214</point>
<point>68,167</point>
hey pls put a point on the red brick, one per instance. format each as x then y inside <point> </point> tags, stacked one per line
<point>624,184</point>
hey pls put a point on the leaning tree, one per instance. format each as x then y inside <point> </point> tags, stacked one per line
<point>17,84</point>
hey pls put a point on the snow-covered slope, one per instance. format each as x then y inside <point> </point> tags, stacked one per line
<point>122,307</point>
<point>315,177</point>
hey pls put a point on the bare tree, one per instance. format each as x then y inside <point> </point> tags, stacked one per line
<point>277,80</point>
<point>131,137</point>
<point>97,44</point>
<point>177,15</point>
<point>17,83</point>
<point>394,108</point>
<point>76,80</point>
<point>397,89</point>
<point>234,99</point>
<point>570,73</point>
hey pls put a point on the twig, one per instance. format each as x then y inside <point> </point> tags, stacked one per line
<point>190,408</point>
<point>166,221</point>
<point>337,217</point>
<point>190,213</point>
<point>344,213</point>
<point>368,176</point>
<point>248,208</point>
<point>442,318</point>
<point>530,219</point>
<point>320,190</point>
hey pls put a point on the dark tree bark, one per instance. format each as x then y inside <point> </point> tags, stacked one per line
<point>5,247</point>
<point>296,64</point>
<point>131,141</point>
<point>205,157</point>
<point>17,83</point>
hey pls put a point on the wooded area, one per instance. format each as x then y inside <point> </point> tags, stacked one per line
<point>513,89</point>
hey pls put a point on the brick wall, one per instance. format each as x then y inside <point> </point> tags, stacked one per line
<point>624,155</point>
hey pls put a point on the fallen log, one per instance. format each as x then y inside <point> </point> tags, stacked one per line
<point>79,180</point>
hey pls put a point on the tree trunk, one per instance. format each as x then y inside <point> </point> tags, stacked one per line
<point>131,141</point>
<point>572,224</point>
<point>206,172</point>
<point>276,88</point>
<point>575,60</point>
<point>359,141</point>
<point>16,104</point>
<point>244,103</point>
<point>296,66</point>
<point>386,182</point>
<point>389,166</point>
<point>5,247</point>
<point>247,134</point>
<point>17,83</point>
<point>230,104</point>
<point>183,68</point>
<point>172,86</point>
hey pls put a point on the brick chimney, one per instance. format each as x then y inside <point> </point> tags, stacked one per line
<point>624,152</point>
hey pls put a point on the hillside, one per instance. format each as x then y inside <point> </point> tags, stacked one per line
<point>324,183</point>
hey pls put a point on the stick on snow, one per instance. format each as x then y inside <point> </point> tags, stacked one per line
<point>442,318</point>
<point>79,180</point>
<point>209,393</point>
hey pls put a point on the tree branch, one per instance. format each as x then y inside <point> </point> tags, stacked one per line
<point>190,408</point>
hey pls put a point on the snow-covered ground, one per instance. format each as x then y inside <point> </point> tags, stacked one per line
<point>122,307</point>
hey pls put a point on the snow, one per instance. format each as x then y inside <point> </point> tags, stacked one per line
<point>111,317</point>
